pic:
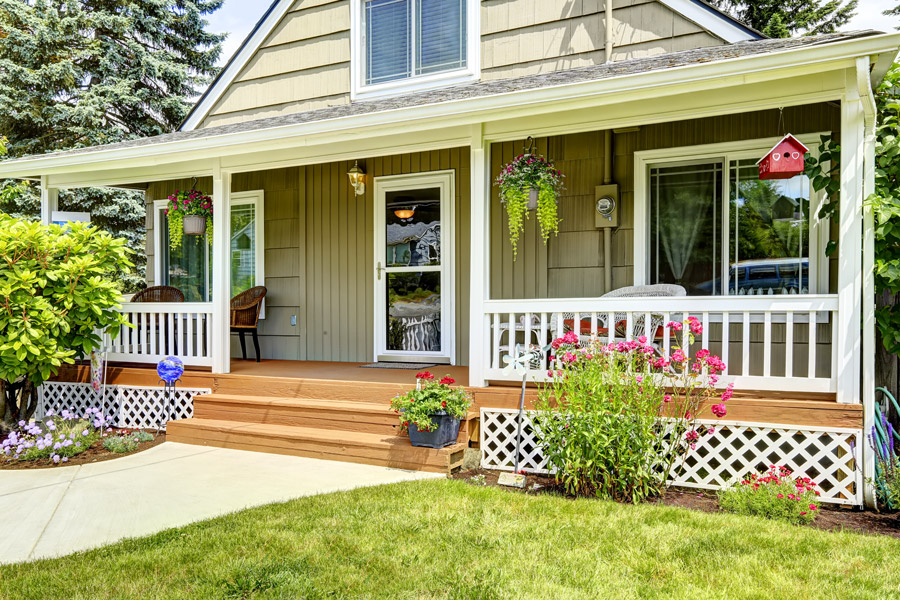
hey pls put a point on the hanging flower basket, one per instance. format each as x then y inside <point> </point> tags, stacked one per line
<point>189,213</point>
<point>530,182</point>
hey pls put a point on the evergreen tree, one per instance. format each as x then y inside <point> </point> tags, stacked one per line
<point>784,18</point>
<point>77,73</point>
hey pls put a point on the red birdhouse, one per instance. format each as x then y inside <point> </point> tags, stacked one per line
<point>787,159</point>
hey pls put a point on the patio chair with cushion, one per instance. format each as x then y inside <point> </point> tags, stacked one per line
<point>245,309</point>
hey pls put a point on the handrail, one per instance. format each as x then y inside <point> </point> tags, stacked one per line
<point>781,303</point>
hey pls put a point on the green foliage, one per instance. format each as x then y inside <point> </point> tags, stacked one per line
<point>56,438</point>
<point>56,294</point>
<point>786,18</point>
<point>183,203</point>
<point>516,180</point>
<point>428,399</point>
<point>773,495</point>
<point>124,443</point>
<point>76,74</point>
<point>824,175</point>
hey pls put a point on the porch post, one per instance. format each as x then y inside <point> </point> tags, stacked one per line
<point>846,336</point>
<point>479,271</point>
<point>221,271</point>
<point>49,201</point>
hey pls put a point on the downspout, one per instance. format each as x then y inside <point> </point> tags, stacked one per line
<point>867,97</point>
<point>609,31</point>
<point>607,231</point>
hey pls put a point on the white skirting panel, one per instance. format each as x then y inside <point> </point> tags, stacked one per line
<point>137,407</point>
<point>828,455</point>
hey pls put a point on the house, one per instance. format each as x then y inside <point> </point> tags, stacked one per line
<point>671,101</point>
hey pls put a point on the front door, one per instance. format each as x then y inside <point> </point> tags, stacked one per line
<point>413,268</point>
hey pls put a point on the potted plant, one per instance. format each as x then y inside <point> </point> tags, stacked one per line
<point>431,412</point>
<point>189,213</point>
<point>530,182</point>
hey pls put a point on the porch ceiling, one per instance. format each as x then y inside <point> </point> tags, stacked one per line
<point>474,103</point>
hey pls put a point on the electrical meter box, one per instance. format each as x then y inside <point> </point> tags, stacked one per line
<point>606,206</point>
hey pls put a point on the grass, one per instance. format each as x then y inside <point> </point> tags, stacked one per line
<point>450,539</point>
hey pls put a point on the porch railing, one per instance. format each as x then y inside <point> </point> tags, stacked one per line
<point>767,342</point>
<point>161,329</point>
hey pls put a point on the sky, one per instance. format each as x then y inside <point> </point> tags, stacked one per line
<point>237,18</point>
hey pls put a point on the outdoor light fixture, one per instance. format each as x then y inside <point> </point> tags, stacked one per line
<point>357,179</point>
<point>406,212</point>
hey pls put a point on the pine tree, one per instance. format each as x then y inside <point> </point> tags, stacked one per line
<point>784,18</point>
<point>77,73</point>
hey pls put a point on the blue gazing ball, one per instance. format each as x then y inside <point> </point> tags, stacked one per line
<point>170,369</point>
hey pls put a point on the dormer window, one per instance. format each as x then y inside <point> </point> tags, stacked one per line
<point>410,45</point>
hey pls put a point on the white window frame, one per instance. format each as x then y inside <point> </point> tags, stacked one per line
<point>255,197</point>
<point>359,90</point>
<point>727,152</point>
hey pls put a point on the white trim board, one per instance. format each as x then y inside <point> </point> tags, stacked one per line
<point>712,20</point>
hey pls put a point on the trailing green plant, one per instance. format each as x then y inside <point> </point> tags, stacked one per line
<point>516,180</point>
<point>58,295</point>
<point>126,442</point>
<point>823,172</point>
<point>776,494</point>
<point>182,204</point>
<point>430,398</point>
<point>614,419</point>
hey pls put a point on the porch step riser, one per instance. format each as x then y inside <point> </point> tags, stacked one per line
<point>312,390</point>
<point>296,417</point>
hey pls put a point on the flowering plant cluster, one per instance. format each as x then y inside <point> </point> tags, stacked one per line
<point>614,418</point>
<point>430,398</point>
<point>183,203</point>
<point>775,494</point>
<point>516,180</point>
<point>56,438</point>
<point>887,464</point>
<point>126,441</point>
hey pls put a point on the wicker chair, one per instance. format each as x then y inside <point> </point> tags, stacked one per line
<point>245,309</point>
<point>159,293</point>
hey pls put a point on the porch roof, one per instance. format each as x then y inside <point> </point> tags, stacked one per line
<point>738,53</point>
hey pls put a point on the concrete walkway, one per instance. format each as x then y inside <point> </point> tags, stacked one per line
<point>53,512</point>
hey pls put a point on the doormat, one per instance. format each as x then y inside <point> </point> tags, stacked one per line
<point>398,365</point>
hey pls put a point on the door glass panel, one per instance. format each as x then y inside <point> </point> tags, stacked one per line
<point>685,226</point>
<point>243,248</point>
<point>769,233</point>
<point>188,267</point>
<point>413,228</point>
<point>414,311</point>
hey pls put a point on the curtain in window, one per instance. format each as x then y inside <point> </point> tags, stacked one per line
<point>441,35</point>
<point>388,55</point>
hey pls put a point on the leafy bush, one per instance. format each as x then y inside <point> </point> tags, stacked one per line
<point>57,295</point>
<point>56,438</point>
<point>775,494</point>
<point>126,442</point>
<point>428,399</point>
<point>613,419</point>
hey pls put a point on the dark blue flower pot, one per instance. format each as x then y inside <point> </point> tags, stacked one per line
<point>445,435</point>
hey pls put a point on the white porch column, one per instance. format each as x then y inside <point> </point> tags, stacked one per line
<point>221,271</point>
<point>847,337</point>
<point>479,272</point>
<point>49,201</point>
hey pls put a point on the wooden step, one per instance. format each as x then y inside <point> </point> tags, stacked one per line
<point>350,446</point>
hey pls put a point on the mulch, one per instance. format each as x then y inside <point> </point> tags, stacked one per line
<point>95,454</point>
<point>831,517</point>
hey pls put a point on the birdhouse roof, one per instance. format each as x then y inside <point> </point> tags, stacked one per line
<point>786,139</point>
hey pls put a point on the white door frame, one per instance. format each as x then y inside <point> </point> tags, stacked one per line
<point>445,181</point>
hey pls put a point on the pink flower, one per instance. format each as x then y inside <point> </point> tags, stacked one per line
<point>780,496</point>
<point>674,325</point>
<point>643,339</point>
<point>711,431</point>
<point>691,436</point>
<point>719,410</point>
<point>678,356</point>
<point>728,393</point>
<point>813,507</point>
<point>696,327</point>
<point>639,379</point>
<point>667,398</point>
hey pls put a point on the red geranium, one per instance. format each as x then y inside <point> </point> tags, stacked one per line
<point>447,381</point>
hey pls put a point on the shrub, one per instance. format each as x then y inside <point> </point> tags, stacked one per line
<point>430,398</point>
<point>126,442</point>
<point>775,494</point>
<point>614,419</point>
<point>56,438</point>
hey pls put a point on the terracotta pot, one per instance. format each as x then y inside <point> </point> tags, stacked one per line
<point>194,225</point>
<point>533,198</point>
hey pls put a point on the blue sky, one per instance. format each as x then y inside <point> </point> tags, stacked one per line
<point>237,17</point>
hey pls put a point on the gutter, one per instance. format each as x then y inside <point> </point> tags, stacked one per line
<point>475,110</point>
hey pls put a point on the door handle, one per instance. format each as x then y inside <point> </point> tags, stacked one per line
<point>378,270</point>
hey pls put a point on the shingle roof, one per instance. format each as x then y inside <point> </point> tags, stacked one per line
<point>496,87</point>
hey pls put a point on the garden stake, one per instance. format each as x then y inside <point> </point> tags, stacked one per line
<point>518,364</point>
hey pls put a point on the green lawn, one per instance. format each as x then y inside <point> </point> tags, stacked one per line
<point>449,539</point>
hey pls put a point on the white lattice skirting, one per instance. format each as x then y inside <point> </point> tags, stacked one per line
<point>830,456</point>
<point>133,406</point>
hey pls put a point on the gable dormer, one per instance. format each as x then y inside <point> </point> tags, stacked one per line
<point>309,54</point>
